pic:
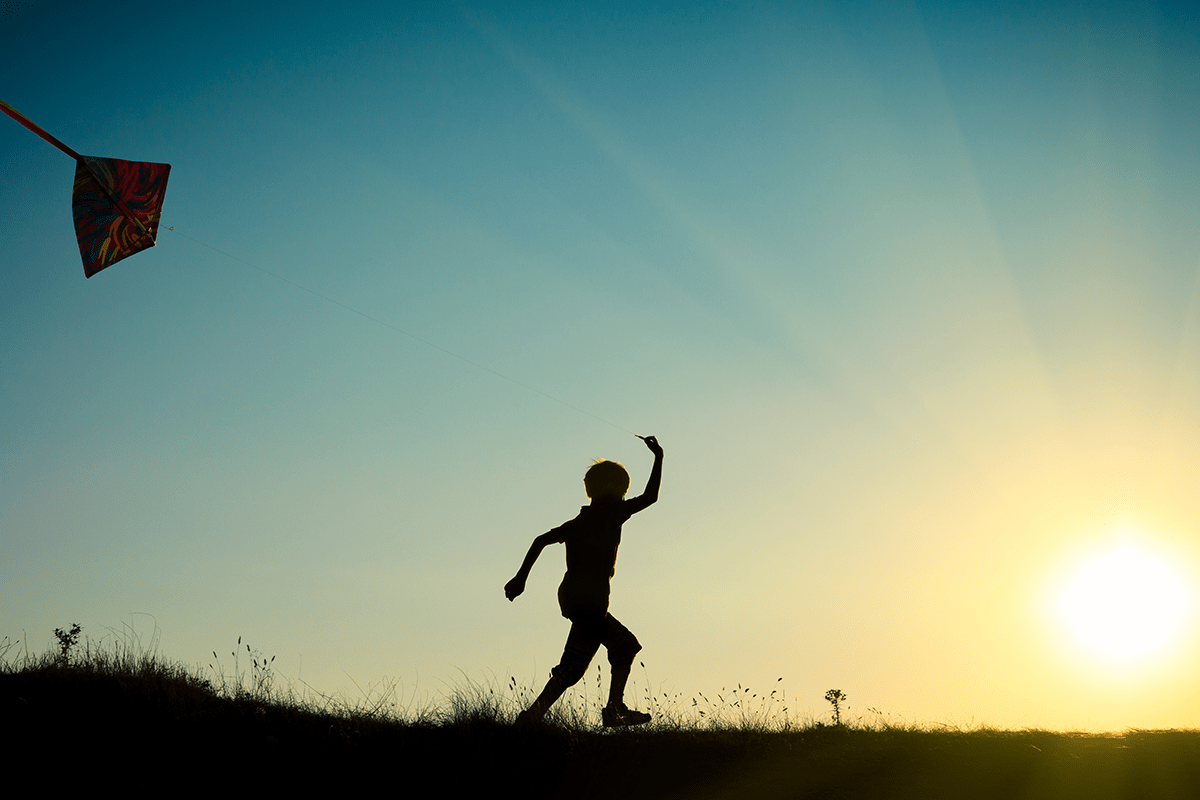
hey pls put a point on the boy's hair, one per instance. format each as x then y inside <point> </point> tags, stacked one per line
<point>605,479</point>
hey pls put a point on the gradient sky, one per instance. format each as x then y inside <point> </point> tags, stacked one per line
<point>910,294</point>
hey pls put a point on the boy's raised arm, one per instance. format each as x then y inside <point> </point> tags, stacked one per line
<point>513,588</point>
<point>651,494</point>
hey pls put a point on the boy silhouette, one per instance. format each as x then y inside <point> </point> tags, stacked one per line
<point>592,539</point>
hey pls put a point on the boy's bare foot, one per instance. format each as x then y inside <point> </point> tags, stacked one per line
<point>620,717</point>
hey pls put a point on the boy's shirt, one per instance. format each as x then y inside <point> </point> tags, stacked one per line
<point>592,539</point>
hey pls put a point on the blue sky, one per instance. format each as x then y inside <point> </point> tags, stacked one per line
<point>909,293</point>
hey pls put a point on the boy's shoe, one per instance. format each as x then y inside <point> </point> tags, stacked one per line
<point>620,716</point>
<point>527,718</point>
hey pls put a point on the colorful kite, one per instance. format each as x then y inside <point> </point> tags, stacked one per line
<point>116,204</point>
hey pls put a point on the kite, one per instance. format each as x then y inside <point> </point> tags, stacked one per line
<point>116,204</point>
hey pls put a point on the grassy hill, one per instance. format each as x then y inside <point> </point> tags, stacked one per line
<point>87,718</point>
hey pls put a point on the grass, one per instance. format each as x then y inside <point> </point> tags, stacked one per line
<point>115,708</point>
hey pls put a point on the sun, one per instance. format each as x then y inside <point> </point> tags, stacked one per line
<point>1126,604</point>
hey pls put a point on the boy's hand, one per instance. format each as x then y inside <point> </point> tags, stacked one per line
<point>513,588</point>
<point>653,444</point>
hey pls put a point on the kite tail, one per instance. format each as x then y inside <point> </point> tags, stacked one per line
<point>33,126</point>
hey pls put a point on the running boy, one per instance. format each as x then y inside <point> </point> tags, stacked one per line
<point>592,539</point>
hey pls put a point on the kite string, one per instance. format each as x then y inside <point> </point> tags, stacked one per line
<point>412,336</point>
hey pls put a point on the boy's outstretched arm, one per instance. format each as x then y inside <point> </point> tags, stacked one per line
<point>513,588</point>
<point>651,494</point>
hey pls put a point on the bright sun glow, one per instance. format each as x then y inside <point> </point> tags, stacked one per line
<point>1126,604</point>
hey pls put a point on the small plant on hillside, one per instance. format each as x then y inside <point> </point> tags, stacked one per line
<point>836,697</point>
<point>67,640</point>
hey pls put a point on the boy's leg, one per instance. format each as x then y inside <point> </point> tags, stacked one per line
<point>622,646</point>
<point>552,691</point>
<point>582,643</point>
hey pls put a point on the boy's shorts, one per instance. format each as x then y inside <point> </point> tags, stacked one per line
<point>588,632</point>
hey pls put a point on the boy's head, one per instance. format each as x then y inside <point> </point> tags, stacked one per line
<point>606,480</point>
